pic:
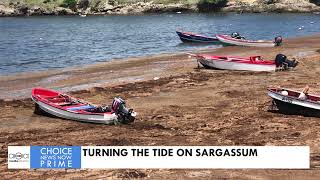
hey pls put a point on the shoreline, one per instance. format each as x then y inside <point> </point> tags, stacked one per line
<point>135,69</point>
<point>238,11</point>
<point>242,6</point>
<point>186,106</point>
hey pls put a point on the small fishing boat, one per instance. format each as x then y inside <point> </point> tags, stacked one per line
<point>64,106</point>
<point>288,101</point>
<point>196,38</point>
<point>253,63</point>
<point>229,40</point>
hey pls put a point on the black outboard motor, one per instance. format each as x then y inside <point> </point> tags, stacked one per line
<point>124,114</point>
<point>236,35</point>
<point>280,59</point>
<point>278,40</point>
<point>282,62</point>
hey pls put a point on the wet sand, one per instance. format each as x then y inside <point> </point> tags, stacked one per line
<point>186,106</point>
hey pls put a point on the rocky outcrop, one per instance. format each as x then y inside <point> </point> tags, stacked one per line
<point>83,4</point>
<point>271,6</point>
<point>113,7</point>
<point>6,11</point>
<point>63,11</point>
<point>317,2</point>
<point>140,7</point>
<point>38,11</point>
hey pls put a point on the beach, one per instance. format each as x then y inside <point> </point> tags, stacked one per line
<point>177,104</point>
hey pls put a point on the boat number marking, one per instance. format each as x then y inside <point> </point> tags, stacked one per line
<point>286,99</point>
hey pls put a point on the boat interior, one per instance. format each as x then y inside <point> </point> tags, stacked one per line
<point>296,94</point>
<point>68,103</point>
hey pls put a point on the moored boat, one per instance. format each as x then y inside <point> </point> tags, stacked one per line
<point>64,106</point>
<point>253,63</point>
<point>229,40</point>
<point>196,38</point>
<point>288,101</point>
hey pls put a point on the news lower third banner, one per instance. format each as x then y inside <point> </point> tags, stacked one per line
<point>176,157</point>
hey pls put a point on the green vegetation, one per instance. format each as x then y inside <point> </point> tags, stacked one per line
<point>211,5</point>
<point>69,4</point>
<point>60,2</point>
<point>317,2</point>
<point>124,6</point>
<point>154,1</point>
<point>47,4</point>
<point>52,4</point>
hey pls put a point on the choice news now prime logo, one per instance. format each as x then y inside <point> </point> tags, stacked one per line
<point>18,157</point>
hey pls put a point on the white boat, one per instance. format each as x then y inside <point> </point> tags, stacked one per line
<point>66,107</point>
<point>288,101</point>
<point>243,42</point>
<point>253,63</point>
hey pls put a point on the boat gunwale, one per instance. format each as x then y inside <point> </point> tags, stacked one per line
<point>35,98</point>
<point>226,37</point>
<point>272,90</point>
<point>238,60</point>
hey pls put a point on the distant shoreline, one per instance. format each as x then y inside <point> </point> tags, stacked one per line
<point>243,6</point>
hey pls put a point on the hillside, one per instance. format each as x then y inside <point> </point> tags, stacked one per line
<point>70,7</point>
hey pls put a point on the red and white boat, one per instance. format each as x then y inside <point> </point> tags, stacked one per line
<point>64,106</point>
<point>243,42</point>
<point>253,63</point>
<point>288,101</point>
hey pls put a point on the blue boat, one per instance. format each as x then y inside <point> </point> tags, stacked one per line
<point>196,38</point>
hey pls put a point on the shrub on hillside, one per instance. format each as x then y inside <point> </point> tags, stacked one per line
<point>69,4</point>
<point>83,4</point>
<point>317,2</point>
<point>211,5</point>
<point>46,1</point>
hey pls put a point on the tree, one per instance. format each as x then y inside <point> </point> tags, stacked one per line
<point>69,4</point>
<point>211,5</point>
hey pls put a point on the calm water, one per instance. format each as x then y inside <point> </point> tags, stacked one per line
<point>40,43</point>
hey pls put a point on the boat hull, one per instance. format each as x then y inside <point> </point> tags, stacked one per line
<point>227,65</point>
<point>193,38</point>
<point>90,118</point>
<point>293,105</point>
<point>240,42</point>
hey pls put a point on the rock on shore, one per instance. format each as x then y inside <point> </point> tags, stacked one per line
<point>24,10</point>
<point>271,6</point>
<point>112,7</point>
<point>139,8</point>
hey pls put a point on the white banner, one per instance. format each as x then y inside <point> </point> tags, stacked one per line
<point>18,157</point>
<point>196,157</point>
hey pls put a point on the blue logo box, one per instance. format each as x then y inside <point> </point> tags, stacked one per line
<point>54,157</point>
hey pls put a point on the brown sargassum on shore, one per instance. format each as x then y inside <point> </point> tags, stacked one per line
<point>186,106</point>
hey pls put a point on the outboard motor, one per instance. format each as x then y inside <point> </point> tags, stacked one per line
<point>280,59</point>
<point>282,62</point>
<point>278,40</point>
<point>236,35</point>
<point>124,114</point>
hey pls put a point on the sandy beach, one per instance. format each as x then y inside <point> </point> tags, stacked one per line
<point>186,106</point>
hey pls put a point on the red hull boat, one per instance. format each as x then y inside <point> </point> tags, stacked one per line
<point>64,106</point>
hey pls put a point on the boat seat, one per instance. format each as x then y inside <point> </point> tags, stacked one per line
<point>312,98</point>
<point>63,103</point>
<point>80,108</point>
<point>57,100</point>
